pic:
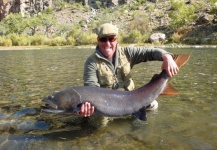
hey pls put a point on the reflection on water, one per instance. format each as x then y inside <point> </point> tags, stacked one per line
<point>185,121</point>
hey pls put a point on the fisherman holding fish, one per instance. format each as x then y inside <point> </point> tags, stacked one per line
<point>109,66</point>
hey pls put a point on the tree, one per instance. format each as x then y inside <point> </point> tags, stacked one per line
<point>14,23</point>
<point>33,23</point>
<point>48,21</point>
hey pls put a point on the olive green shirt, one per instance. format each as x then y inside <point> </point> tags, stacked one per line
<point>135,56</point>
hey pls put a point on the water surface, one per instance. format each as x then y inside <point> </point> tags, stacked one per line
<point>184,121</point>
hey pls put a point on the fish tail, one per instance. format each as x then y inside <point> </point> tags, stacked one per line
<point>169,90</point>
<point>181,59</point>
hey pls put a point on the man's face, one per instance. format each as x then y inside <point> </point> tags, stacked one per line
<point>107,45</point>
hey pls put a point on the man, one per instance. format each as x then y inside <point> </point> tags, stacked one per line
<point>110,65</point>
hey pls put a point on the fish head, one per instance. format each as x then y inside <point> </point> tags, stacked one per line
<point>61,102</point>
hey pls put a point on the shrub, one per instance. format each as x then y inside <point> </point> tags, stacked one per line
<point>4,41</point>
<point>182,14</point>
<point>176,37</point>
<point>57,41</point>
<point>71,41</point>
<point>14,38</point>
<point>85,38</point>
<point>38,40</point>
<point>19,40</point>
<point>145,37</point>
<point>24,40</point>
<point>79,37</point>
<point>133,37</point>
<point>60,5</point>
<point>140,22</point>
<point>214,42</point>
<point>75,31</point>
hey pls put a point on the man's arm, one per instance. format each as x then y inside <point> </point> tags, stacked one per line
<point>143,54</point>
<point>90,79</point>
<point>90,73</point>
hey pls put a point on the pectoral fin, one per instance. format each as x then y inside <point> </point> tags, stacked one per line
<point>141,114</point>
<point>78,108</point>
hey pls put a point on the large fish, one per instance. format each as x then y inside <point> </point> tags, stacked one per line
<point>113,103</point>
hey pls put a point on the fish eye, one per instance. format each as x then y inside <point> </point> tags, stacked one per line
<point>50,97</point>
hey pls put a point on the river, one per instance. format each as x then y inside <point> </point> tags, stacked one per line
<point>185,121</point>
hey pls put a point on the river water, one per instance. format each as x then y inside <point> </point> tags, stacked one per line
<point>182,122</point>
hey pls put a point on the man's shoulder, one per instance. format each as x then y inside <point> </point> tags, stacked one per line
<point>92,58</point>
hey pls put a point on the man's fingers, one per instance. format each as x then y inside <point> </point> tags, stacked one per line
<point>86,110</point>
<point>173,71</point>
<point>92,110</point>
<point>88,107</point>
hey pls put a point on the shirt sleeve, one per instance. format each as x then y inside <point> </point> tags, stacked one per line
<point>90,73</point>
<point>143,54</point>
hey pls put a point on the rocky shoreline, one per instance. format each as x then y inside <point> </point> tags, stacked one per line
<point>92,47</point>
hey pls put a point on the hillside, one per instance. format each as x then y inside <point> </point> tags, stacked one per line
<point>153,16</point>
<point>186,21</point>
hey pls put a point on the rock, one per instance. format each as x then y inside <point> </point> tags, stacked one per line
<point>203,19</point>
<point>157,37</point>
<point>23,6</point>
<point>153,1</point>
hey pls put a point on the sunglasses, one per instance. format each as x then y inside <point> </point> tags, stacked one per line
<point>105,39</point>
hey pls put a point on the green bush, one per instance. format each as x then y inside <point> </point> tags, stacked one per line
<point>214,7</point>
<point>85,38</point>
<point>136,4</point>
<point>19,40</point>
<point>75,31</point>
<point>133,37</point>
<point>182,14</point>
<point>39,40</point>
<point>24,40</point>
<point>14,38</point>
<point>58,41</point>
<point>214,42</point>
<point>79,37</point>
<point>176,37</point>
<point>4,41</point>
<point>139,22</point>
<point>60,5</point>
<point>71,41</point>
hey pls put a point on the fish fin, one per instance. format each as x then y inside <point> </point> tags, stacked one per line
<point>76,97</point>
<point>141,114</point>
<point>78,108</point>
<point>169,90</point>
<point>181,59</point>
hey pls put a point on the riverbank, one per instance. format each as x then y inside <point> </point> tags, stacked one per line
<point>92,47</point>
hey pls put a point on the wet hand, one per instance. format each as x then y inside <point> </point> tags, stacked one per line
<point>169,65</point>
<point>86,110</point>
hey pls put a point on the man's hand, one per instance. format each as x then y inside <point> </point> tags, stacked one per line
<point>169,65</point>
<point>86,110</point>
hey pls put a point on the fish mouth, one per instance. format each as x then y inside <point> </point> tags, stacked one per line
<point>51,110</point>
<point>50,104</point>
<point>51,107</point>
